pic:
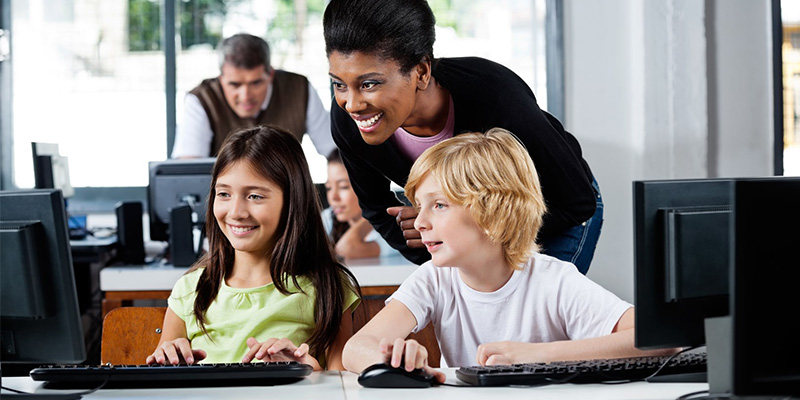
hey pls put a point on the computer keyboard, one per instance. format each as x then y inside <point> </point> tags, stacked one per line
<point>156,375</point>
<point>684,367</point>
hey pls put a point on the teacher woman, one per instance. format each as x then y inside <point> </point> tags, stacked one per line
<point>393,100</point>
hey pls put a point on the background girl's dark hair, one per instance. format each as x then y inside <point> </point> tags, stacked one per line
<point>339,227</point>
<point>400,30</point>
<point>302,247</point>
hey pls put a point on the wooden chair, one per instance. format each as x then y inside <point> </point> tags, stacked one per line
<point>130,334</point>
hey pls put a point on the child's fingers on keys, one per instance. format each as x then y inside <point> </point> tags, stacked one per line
<point>250,354</point>
<point>199,354</point>
<point>263,353</point>
<point>281,345</point>
<point>251,341</point>
<point>301,351</point>
<point>498,359</point>
<point>151,359</point>
<point>186,351</point>
<point>484,352</point>
<point>170,354</point>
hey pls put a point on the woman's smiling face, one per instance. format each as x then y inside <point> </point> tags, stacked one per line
<point>374,92</point>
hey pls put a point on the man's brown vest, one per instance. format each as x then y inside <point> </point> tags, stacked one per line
<point>286,109</point>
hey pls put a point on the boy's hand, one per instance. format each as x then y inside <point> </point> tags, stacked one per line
<point>405,217</point>
<point>410,353</point>
<point>279,350</point>
<point>507,353</point>
<point>176,352</point>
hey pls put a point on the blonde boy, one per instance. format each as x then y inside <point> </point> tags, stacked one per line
<point>492,298</point>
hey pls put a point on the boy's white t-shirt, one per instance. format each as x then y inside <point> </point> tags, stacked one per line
<point>548,300</point>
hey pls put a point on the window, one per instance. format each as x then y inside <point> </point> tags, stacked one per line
<point>790,13</point>
<point>92,75</point>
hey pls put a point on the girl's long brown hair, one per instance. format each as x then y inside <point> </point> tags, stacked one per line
<point>301,249</point>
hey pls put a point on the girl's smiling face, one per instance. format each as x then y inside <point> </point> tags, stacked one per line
<point>374,92</point>
<point>247,208</point>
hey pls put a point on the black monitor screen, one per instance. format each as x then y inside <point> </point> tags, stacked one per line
<point>765,299</point>
<point>681,257</point>
<point>176,183</point>
<point>40,323</point>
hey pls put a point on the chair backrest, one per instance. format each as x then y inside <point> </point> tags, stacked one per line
<point>130,334</point>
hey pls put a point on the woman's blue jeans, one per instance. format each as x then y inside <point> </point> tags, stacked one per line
<point>577,244</point>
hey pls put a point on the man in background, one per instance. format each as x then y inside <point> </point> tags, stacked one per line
<point>249,92</point>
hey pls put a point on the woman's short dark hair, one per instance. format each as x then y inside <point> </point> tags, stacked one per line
<point>400,30</point>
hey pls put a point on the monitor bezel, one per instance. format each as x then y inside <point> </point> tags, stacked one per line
<point>57,338</point>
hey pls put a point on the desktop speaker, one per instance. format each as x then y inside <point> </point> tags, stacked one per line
<point>130,235</point>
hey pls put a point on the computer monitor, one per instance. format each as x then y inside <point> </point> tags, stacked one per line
<point>175,183</point>
<point>50,169</point>
<point>681,259</point>
<point>764,301</point>
<point>39,317</point>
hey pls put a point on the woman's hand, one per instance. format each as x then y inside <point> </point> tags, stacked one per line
<point>176,352</point>
<point>410,354</point>
<point>405,218</point>
<point>279,350</point>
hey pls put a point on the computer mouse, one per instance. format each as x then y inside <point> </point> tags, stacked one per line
<point>385,376</point>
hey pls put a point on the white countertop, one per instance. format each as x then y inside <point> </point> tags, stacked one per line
<point>344,385</point>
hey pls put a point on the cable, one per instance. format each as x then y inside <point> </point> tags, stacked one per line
<point>84,393</point>
<point>667,361</point>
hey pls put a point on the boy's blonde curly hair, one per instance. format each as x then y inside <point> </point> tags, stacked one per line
<point>493,177</point>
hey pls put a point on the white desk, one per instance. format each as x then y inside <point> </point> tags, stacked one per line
<point>335,385</point>
<point>131,282</point>
<point>320,385</point>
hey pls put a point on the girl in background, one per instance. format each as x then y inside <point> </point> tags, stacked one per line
<point>269,287</point>
<point>351,233</point>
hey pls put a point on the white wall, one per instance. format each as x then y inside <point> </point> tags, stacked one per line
<point>661,90</point>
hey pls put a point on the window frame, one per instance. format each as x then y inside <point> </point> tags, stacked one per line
<point>103,199</point>
<point>777,86</point>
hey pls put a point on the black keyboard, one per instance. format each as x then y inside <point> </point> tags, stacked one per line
<point>156,375</point>
<point>684,367</point>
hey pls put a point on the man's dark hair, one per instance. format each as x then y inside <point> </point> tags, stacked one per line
<point>244,51</point>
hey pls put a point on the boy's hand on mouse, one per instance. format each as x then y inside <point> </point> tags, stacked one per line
<point>176,352</point>
<point>405,217</point>
<point>274,349</point>
<point>409,355</point>
<point>508,353</point>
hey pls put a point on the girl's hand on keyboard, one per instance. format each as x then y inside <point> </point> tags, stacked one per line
<point>176,352</point>
<point>279,350</point>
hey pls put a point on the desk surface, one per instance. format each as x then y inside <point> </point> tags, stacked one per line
<point>344,385</point>
<point>379,271</point>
